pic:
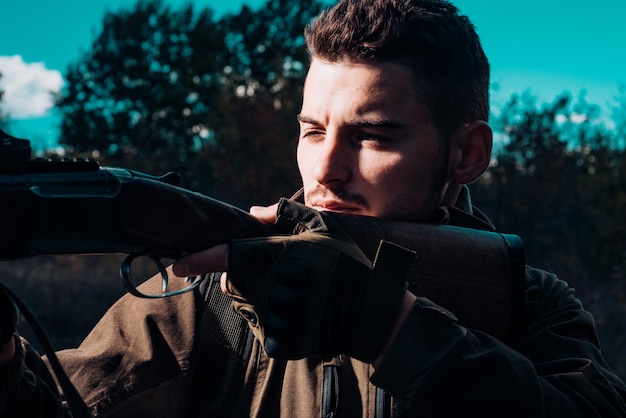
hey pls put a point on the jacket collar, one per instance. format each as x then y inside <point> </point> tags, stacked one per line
<point>463,214</point>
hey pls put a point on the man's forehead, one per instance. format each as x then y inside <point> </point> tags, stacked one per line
<point>372,77</point>
<point>364,93</point>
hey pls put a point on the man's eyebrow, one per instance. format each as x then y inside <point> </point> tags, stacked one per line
<point>377,123</point>
<point>360,123</point>
<point>304,119</point>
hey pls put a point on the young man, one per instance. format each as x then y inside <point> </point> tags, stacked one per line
<point>393,125</point>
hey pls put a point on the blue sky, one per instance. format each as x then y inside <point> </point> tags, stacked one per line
<point>546,46</point>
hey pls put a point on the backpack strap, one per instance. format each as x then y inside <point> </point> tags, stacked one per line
<point>223,346</point>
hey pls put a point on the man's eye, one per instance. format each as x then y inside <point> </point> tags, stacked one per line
<point>372,139</point>
<point>312,136</point>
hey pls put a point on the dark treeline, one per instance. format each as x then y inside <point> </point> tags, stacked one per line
<point>559,181</point>
<point>215,99</point>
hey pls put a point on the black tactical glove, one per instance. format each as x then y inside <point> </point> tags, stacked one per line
<point>315,292</point>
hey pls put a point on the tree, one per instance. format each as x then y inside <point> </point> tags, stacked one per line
<point>252,159</point>
<point>559,183</point>
<point>142,95</point>
<point>619,117</point>
<point>216,100</point>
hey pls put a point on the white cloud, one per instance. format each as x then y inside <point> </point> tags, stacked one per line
<point>27,87</point>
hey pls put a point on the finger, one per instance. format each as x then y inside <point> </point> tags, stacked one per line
<point>265,213</point>
<point>223,280</point>
<point>215,259</point>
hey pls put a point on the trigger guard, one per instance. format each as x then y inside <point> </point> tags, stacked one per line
<point>127,281</point>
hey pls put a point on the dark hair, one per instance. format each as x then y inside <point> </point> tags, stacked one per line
<point>440,46</point>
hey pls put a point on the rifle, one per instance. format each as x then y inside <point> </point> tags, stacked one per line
<point>79,207</point>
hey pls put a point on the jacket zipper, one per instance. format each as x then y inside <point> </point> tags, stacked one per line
<point>331,402</point>
<point>382,404</point>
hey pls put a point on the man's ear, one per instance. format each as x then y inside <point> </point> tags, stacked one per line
<point>470,152</point>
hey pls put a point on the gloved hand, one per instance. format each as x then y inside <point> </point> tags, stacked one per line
<point>315,292</point>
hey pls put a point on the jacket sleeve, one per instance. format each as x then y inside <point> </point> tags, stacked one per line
<point>551,368</point>
<point>137,360</point>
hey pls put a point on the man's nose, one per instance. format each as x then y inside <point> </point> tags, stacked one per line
<point>333,161</point>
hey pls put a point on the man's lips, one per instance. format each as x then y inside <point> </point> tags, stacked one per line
<point>334,206</point>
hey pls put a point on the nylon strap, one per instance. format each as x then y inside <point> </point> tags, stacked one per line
<point>224,345</point>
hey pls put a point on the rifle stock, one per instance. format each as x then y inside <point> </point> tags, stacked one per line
<point>54,208</point>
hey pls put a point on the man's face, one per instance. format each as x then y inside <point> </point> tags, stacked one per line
<point>366,145</point>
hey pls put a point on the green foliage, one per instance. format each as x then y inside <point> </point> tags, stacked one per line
<point>560,183</point>
<point>212,99</point>
<point>137,92</point>
<point>619,117</point>
<point>252,158</point>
